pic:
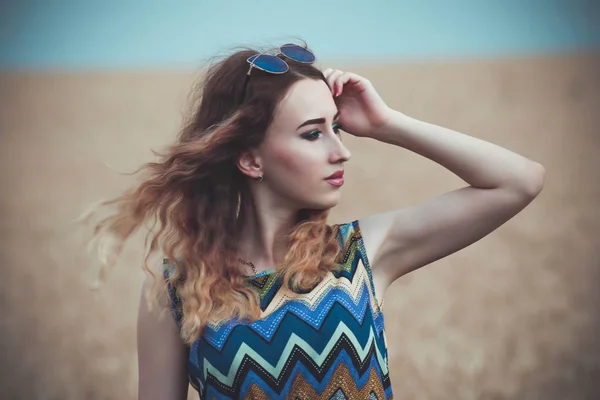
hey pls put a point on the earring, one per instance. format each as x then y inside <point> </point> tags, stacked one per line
<point>259,179</point>
<point>239,204</point>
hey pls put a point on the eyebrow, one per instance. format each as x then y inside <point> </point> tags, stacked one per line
<point>315,121</point>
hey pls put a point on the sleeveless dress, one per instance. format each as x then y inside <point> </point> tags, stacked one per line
<point>328,343</point>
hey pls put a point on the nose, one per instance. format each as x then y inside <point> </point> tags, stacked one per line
<point>339,153</point>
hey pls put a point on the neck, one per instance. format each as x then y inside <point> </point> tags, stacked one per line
<point>264,233</point>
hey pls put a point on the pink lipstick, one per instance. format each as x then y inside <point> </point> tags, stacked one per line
<point>336,179</point>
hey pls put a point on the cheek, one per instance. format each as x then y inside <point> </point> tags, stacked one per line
<point>297,163</point>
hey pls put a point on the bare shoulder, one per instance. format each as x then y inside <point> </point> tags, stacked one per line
<point>162,355</point>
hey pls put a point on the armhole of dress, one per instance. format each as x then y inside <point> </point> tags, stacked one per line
<point>365,259</point>
<point>175,302</point>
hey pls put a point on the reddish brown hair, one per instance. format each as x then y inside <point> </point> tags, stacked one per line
<point>192,194</point>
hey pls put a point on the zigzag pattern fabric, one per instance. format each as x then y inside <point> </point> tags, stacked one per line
<point>328,343</point>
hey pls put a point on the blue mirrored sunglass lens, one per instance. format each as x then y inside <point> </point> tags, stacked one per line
<point>297,53</point>
<point>269,63</point>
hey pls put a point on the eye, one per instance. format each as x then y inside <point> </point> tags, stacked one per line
<point>312,135</point>
<point>336,128</point>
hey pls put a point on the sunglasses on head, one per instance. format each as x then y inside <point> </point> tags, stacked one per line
<point>276,65</point>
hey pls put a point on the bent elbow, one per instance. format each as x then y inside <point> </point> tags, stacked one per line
<point>535,181</point>
<point>529,183</point>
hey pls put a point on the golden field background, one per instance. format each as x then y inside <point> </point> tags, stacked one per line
<point>514,316</point>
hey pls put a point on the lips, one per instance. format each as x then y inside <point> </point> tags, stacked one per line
<point>336,179</point>
<point>336,175</point>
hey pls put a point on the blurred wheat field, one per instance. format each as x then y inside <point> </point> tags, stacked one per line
<point>513,316</point>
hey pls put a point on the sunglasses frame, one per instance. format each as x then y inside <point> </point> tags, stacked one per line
<point>251,59</point>
<point>254,57</point>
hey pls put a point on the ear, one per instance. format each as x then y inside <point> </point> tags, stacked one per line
<point>249,164</point>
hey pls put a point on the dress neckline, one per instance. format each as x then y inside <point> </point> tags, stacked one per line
<point>260,274</point>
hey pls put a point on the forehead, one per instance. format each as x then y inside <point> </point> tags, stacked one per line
<point>306,99</point>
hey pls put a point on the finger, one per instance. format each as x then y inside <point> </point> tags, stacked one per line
<point>327,72</point>
<point>330,71</point>
<point>332,78</point>
<point>343,79</point>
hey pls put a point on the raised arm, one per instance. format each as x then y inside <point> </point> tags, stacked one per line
<point>500,183</point>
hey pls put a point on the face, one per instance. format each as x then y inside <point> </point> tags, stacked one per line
<point>303,147</point>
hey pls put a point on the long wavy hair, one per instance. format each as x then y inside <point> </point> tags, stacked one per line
<point>196,199</point>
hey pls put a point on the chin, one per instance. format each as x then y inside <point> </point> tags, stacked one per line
<point>324,203</point>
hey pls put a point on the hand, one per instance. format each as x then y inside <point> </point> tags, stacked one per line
<point>362,111</point>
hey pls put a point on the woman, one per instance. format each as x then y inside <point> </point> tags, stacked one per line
<point>269,301</point>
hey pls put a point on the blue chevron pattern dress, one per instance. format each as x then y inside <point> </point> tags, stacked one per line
<point>328,343</point>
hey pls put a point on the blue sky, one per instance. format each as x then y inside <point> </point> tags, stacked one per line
<point>152,33</point>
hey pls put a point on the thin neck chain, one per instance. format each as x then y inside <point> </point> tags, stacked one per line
<point>250,264</point>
